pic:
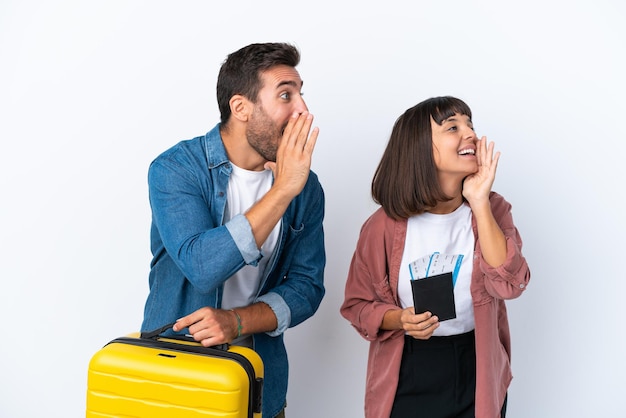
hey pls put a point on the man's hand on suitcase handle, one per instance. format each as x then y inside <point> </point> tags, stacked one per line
<point>209,326</point>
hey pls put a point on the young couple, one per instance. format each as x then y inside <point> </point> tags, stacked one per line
<point>238,244</point>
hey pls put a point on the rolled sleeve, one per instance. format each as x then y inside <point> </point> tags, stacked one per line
<point>509,280</point>
<point>371,319</point>
<point>241,231</point>
<point>281,310</point>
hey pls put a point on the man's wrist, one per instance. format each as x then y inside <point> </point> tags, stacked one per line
<point>238,325</point>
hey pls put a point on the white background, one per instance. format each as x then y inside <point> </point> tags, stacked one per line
<point>92,91</point>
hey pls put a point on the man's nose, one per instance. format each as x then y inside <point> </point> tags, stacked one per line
<point>300,105</point>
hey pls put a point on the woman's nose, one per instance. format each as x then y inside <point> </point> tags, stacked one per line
<point>469,133</point>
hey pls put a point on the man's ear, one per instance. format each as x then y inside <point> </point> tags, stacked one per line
<point>240,107</point>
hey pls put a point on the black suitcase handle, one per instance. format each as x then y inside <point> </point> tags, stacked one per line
<point>157,333</point>
<point>151,335</point>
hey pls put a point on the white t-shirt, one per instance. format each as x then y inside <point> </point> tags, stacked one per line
<point>245,188</point>
<point>448,234</point>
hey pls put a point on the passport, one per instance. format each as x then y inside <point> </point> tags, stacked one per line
<point>436,295</point>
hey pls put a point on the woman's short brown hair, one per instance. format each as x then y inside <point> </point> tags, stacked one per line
<point>405,182</point>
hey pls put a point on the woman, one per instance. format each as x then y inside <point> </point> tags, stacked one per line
<point>434,187</point>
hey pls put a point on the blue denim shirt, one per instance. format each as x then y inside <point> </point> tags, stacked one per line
<point>194,251</point>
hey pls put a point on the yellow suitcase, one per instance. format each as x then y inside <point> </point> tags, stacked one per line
<point>148,375</point>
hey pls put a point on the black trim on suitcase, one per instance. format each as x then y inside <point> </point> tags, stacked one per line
<point>153,339</point>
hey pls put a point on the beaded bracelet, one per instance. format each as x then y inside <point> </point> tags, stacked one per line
<point>239,326</point>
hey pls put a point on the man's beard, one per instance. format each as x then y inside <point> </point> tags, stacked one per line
<point>263,134</point>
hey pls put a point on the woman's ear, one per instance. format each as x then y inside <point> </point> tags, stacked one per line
<point>240,107</point>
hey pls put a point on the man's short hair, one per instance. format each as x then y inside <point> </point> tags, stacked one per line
<point>241,72</point>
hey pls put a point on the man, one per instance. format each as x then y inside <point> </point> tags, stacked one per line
<point>237,234</point>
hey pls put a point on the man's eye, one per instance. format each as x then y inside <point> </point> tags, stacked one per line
<point>285,96</point>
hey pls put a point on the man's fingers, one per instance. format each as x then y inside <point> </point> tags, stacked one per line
<point>310,143</point>
<point>296,133</point>
<point>191,319</point>
<point>303,135</point>
<point>183,323</point>
<point>290,126</point>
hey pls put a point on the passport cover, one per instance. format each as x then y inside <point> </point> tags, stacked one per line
<point>436,295</point>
